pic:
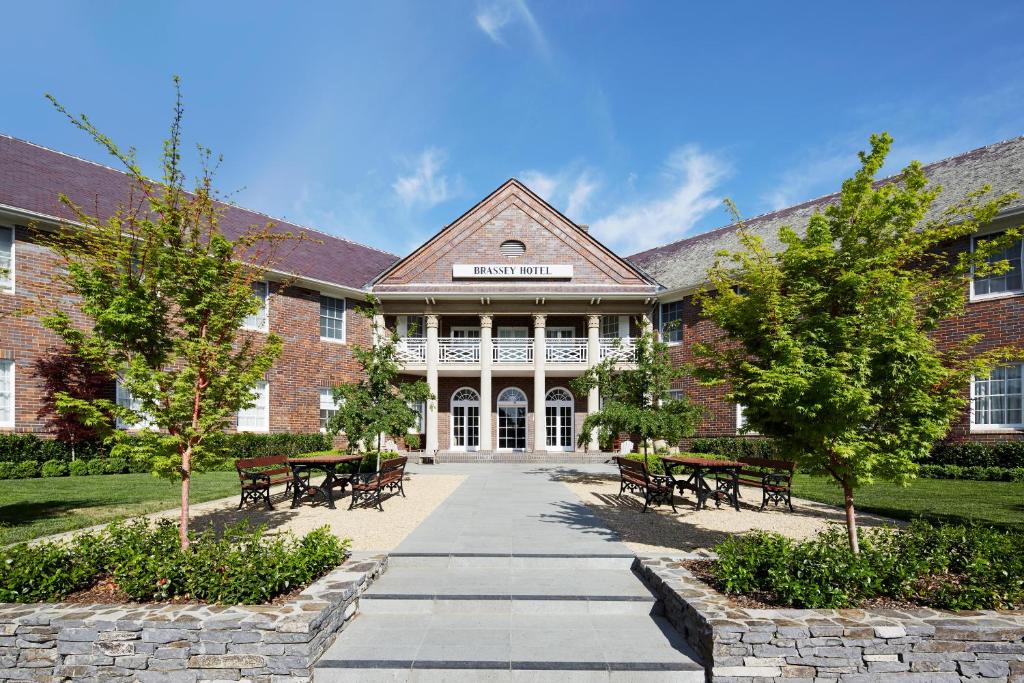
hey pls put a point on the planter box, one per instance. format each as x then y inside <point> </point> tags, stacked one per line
<point>739,645</point>
<point>188,643</point>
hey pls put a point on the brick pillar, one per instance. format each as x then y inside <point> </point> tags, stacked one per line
<point>539,382</point>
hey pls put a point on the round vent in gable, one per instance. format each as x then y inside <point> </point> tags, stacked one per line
<point>512,248</point>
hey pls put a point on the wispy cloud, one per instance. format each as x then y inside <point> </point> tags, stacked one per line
<point>570,190</point>
<point>426,185</point>
<point>497,17</point>
<point>692,178</point>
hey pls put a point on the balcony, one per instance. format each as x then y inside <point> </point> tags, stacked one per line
<point>508,350</point>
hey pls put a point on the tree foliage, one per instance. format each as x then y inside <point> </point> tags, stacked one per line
<point>636,397</point>
<point>165,293</point>
<point>379,404</point>
<point>827,343</point>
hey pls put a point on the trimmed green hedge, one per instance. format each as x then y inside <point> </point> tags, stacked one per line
<point>737,447</point>
<point>1007,454</point>
<point>971,473</point>
<point>145,560</point>
<point>944,567</point>
<point>21,447</point>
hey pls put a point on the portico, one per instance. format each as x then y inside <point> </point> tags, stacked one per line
<point>499,312</point>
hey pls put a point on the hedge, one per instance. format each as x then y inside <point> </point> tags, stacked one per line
<point>23,456</point>
<point>737,447</point>
<point>971,473</point>
<point>1007,454</point>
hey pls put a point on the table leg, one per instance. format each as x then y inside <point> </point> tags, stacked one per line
<point>298,488</point>
<point>329,485</point>
<point>701,488</point>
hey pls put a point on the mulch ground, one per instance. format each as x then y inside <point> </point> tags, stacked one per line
<point>106,592</point>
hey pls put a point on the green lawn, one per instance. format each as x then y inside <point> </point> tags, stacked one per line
<point>30,508</point>
<point>986,502</point>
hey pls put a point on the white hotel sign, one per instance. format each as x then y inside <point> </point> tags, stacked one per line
<point>493,271</point>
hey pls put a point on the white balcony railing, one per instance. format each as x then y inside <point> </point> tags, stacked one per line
<point>513,350</point>
<point>411,350</point>
<point>458,350</point>
<point>623,349</point>
<point>566,350</point>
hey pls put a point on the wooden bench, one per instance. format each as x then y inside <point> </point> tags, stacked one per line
<point>634,477</point>
<point>371,485</point>
<point>257,475</point>
<point>773,477</point>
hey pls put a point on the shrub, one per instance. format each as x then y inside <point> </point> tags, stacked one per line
<point>945,567</point>
<point>78,468</point>
<point>971,473</point>
<point>96,466</point>
<point>8,470</point>
<point>115,466</point>
<point>738,447</point>
<point>1007,454</point>
<point>19,447</point>
<point>55,468</point>
<point>26,469</point>
<point>241,566</point>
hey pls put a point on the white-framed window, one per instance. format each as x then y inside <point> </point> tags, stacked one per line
<point>1010,282</point>
<point>256,418</point>
<point>124,397</point>
<point>332,318</point>
<point>260,320</point>
<point>6,258</point>
<point>421,417</point>
<point>328,407</point>
<point>996,400</point>
<point>671,322</point>
<point>415,326</point>
<point>675,394</point>
<point>7,394</point>
<point>609,326</point>
<point>741,420</point>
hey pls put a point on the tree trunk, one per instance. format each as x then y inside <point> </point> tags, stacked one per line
<point>186,481</point>
<point>851,519</point>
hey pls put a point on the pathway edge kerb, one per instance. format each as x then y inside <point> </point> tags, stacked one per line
<point>150,642</point>
<point>741,645</point>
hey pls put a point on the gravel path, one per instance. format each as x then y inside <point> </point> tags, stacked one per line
<point>368,527</point>
<point>659,530</point>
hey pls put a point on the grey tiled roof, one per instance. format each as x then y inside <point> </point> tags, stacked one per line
<point>683,264</point>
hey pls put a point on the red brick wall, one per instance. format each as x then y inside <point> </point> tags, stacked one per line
<point>306,364</point>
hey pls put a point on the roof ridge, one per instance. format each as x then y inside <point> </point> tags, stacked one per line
<point>222,201</point>
<point>820,198</point>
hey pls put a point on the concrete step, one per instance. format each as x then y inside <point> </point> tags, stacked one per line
<point>436,561</point>
<point>490,645</point>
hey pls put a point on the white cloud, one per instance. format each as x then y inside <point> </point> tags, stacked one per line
<point>495,17</point>
<point>692,179</point>
<point>426,185</point>
<point>569,190</point>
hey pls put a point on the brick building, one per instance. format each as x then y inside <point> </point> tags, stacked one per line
<point>498,311</point>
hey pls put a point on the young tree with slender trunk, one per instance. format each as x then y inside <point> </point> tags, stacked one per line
<point>828,345</point>
<point>379,404</point>
<point>165,293</point>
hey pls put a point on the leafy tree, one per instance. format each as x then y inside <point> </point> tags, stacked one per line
<point>827,344</point>
<point>66,374</point>
<point>379,404</point>
<point>637,399</point>
<point>165,293</point>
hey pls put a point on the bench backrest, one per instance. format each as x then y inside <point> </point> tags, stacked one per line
<point>632,468</point>
<point>268,464</point>
<point>767,464</point>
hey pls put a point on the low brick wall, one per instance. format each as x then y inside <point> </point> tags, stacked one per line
<point>186,644</point>
<point>847,646</point>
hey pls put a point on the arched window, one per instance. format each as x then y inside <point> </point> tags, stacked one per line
<point>559,395</point>
<point>512,396</point>
<point>465,411</point>
<point>559,420</point>
<point>465,395</point>
<point>512,420</point>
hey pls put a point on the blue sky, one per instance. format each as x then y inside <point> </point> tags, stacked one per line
<point>383,121</point>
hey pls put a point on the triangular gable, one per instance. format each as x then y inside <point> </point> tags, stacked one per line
<point>513,212</point>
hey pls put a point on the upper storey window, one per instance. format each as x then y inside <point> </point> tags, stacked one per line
<point>332,318</point>
<point>1010,282</point>
<point>672,322</point>
<point>260,320</point>
<point>6,257</point>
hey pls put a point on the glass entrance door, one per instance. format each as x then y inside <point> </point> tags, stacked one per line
<point>558,420</point>
<point>512,420</point>
<point>465,420</point>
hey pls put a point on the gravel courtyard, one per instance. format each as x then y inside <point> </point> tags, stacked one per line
<point>659,530</point>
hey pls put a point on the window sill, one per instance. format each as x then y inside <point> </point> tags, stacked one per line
<point>997,429</point>
<point>975,298</point>
<point>261,330</point>
<point>332,340</point>
<point>252,431</point>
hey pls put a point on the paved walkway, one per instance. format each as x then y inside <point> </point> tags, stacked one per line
<point>510,579</point>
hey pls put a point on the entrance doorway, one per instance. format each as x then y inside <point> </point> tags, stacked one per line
<point>512,420</point>
<point>559,420</point>
<point>465,420</point>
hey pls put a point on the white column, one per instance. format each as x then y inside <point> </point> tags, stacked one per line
<point>379,330</point>
<point>539,383</point>
<point>486,357</point>
<point>593,356</point>
<point>431,324</point>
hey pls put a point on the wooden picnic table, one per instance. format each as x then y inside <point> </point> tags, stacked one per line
<point>328,464</point>
<point>725,488</point>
